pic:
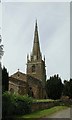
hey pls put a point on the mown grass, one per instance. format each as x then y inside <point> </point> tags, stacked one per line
<point>43,113</point>
<point>43,100</point>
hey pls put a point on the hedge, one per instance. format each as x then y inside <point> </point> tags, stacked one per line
<point>13,104</point>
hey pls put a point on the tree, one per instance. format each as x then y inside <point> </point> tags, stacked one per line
<point>71,88</point>
<point>54,87</point>
<point>5,80</point>
<point>1,49</point>
<point>66,89</point>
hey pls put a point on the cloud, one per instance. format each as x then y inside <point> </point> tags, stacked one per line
<point>18,34</point>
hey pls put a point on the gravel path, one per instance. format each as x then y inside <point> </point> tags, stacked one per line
<point>61,114</point>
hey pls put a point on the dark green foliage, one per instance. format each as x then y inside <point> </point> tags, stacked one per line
<point>54,87</point>
<point>67,90</point>
<point>13,104</point>
<point>5,80</point>
<point>7,104</point>
<point>70,88</point>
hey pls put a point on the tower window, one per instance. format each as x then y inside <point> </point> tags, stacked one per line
<point>33,68</point>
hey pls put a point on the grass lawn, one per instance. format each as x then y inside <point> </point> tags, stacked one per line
<point>43,100</point>
<point>43,113</point>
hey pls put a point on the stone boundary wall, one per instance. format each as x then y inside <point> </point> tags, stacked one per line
<point>43,105</point>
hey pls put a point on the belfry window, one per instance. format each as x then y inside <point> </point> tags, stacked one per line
<point>33,68</point>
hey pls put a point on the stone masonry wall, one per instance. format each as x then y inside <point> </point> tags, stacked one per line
<point>43,105</point>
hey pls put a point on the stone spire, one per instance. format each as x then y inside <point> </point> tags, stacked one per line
<point>36,54</point>
<point>36,65</point>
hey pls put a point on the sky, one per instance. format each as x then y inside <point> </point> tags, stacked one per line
<point>18,23</point>
<point>0,17</point>
<point>36,0</point>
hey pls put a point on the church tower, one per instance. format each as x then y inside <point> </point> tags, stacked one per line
<point>35,65</point>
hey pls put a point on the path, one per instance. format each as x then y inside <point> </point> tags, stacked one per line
<point>61,114</point>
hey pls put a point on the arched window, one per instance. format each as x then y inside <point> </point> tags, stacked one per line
<point>30,92</point>
<point>12,90</point>
<point>33,68</point>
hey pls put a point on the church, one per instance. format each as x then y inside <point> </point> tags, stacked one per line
<point>33,82</point>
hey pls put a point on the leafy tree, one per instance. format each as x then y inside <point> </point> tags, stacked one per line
<point>5,80</point>
<point>54,87</point>
<point>70,88</point>
<point>66,89</point>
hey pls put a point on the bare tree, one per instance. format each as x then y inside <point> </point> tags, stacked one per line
<point>1,48</point>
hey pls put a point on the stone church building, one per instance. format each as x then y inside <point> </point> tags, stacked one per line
<point>33,82</point>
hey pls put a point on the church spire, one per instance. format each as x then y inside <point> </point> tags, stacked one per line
<point>36,54</point>
<point>36,65</point>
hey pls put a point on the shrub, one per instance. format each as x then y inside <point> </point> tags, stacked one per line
<point>15,104</point>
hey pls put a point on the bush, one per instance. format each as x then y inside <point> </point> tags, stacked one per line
<point>13,104</point>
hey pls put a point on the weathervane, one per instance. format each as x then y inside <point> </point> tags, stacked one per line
<point>18,69</point>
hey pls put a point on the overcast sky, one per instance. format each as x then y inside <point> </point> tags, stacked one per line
<point>18,23</point>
